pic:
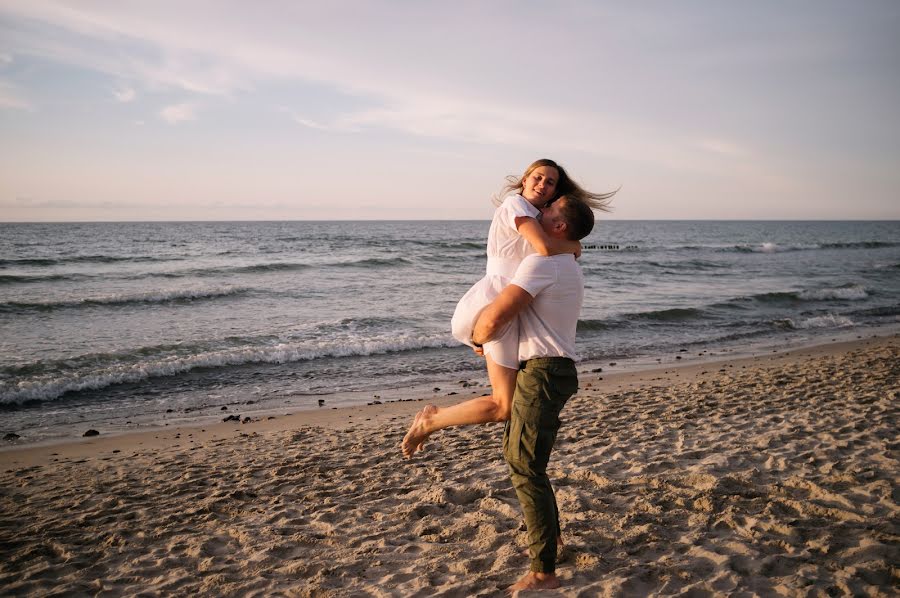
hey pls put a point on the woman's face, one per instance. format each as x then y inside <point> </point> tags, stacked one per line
<point>540,184</point>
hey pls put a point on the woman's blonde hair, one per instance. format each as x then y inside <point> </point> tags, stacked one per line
<point>564,186</point>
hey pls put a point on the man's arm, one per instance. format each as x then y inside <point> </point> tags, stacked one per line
<point>511,300</point>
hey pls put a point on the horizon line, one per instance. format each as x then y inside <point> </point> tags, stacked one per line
<point>200,221</point>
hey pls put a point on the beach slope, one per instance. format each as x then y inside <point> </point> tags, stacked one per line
<point>773,475</point>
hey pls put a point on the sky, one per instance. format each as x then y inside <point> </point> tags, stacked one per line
<point>398,109</point>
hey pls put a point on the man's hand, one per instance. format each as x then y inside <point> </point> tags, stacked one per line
<point>502,310</point>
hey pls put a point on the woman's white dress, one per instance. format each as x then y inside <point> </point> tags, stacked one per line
<point>506,249</point>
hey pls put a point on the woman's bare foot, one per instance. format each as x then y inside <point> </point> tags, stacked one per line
<point>418,432</point>
<point>534,581</point>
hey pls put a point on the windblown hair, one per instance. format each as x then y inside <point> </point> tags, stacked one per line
<point>564,186</point>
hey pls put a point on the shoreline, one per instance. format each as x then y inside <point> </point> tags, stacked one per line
<point>68,422</point>
<point>406,404</point>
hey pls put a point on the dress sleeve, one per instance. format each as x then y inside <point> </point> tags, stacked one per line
<point>516,206</point>
<point>535,274</point>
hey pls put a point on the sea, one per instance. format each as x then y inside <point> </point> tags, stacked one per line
<point>119,326</point>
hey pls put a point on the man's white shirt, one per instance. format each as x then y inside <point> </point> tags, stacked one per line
<point>547,326</point>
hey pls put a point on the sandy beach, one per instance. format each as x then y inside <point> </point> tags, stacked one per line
<point>775,475</point>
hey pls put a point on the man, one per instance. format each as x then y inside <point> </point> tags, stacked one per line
<point>546,294</point>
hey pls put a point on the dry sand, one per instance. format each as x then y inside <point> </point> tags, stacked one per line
<point>773,475</point>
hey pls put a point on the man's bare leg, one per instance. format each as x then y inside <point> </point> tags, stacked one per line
<point>480,410</point>
<point>535,581</point>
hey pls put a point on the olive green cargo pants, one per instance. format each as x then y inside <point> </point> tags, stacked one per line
<point>543,386</point>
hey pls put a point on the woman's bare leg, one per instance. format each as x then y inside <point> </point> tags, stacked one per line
<point>481,410</point>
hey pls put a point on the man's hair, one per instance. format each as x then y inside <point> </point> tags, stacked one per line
<point>578,216</point>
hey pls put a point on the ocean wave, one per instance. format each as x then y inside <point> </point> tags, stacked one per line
<point>358,323</point>
<point>170,296</point>
<point>453,245</point>
<point>675,314</point>
<point>586,325</point>
<point>688,265</point>
<point>824,321</point>
<point>82,259</point>
<point>741,304</point>
<point>762,247</point>
<point>283,267</point>
<point>878,312</point>
<point>372,262</point>
<point>859,245</point>
<point>218,271</point>
<point>844,293</point>
<point>723,312</point>
<point>774,297</point>
<point>467,245</point>
<point>205,272</point>
<point>266,267</point>
<point>121,369</point>
<point>661,316</point>
<point>38,278</point>
<point>770,247</point>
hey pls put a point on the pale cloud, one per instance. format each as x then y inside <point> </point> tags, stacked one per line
<point>406,82</point>
<point>125,94</point>
<point>290,43</point>
<point>12,97</point>
<point>402,82</point>
<point>5,59</point>
<point>721,146</point>
<point>306,122</point>
<point>150,45</point>
<point>177,113</point>
<point>309,123</point>
<point>459,121</point>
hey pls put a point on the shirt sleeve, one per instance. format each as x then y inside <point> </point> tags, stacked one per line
<point>516,206</point>
<point>535,274</point>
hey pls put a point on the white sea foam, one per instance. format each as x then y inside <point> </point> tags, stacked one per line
<point>851,293</point>
<point>826,321</point>
<point>771,247</point>
<point>162,296</point>
<point>53,386</point>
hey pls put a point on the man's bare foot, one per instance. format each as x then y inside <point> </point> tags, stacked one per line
<point>418,432</point>
<point>534,581</point>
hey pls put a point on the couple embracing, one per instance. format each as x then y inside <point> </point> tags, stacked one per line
<point>522,318</point>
